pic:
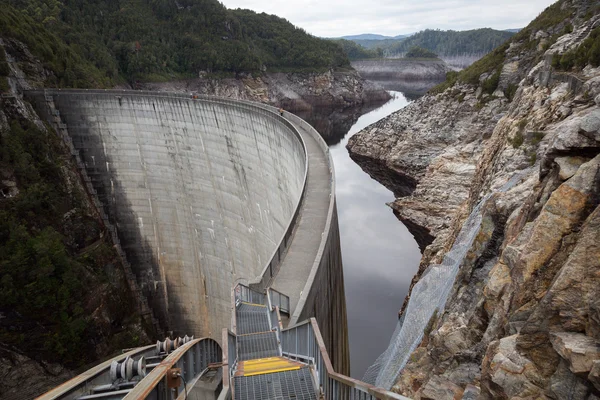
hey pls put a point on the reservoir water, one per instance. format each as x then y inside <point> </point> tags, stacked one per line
<point>380,255</point>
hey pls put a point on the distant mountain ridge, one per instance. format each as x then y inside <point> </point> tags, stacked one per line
<point>374,36</point>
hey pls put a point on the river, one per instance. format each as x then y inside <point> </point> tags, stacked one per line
<point>380,255</point>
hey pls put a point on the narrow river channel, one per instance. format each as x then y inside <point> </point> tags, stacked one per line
<point>380,256</point>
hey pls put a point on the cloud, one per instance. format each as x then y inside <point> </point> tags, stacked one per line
<point>392,17</point>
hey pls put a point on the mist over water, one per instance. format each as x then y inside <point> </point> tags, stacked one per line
<point>380,255</point>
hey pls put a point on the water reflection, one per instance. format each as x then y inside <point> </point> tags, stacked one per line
<point>334,124</point>
<point>412,90</point>
<point>380,255</point>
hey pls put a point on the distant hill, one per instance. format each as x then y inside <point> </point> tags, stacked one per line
<point>373,36</point>
<point>513,30</point>
<point>366,36</point>
<point>451,43</point>
<point>104,42</point>
<point>445,43</point>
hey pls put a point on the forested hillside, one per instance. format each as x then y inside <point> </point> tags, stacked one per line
<point>452,43</point>
<point>444,43</point>
<point>355,51</point>
<point>100,43</point>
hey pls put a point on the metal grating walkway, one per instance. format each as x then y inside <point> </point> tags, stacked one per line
<point>259,345</point>
<point>252,318</point>
<point>297,385</point>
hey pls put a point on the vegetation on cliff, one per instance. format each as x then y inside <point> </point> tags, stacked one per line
<point>555,18</point>
<point>587,53</point>
<point>87,43</point>
<point>55,265</point>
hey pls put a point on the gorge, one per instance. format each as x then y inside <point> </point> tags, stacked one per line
<point>506,187</point>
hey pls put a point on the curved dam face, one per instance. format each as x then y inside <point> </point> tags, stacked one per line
<point>201,193</point>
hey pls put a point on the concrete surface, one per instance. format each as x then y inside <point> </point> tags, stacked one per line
<point>202,192</point>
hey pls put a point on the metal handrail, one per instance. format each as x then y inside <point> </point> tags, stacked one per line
<point>229,362</point>
<point>248,295</point>
<point>192,357</point>
<point>89,377</point>
<point>279,299</point>
<point>303,342</point>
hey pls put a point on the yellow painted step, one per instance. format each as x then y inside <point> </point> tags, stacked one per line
<point>263,366</point>
<point>253,304</point>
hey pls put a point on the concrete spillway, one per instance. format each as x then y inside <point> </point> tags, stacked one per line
<point>205,193</point>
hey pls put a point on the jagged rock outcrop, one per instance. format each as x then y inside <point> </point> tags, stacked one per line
<point>523,318</point>
<point>295,91</point>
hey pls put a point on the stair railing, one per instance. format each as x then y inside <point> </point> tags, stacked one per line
<point>303,342</point>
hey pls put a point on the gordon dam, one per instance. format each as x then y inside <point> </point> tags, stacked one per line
<point>224,213</point>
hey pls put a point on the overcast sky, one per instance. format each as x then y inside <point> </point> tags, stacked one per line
<point>333,18</point>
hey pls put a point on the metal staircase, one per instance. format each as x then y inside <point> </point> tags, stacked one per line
<point>257,360</point>
<point>261,372</point>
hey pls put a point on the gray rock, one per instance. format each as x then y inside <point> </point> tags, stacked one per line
<point>569,166</point>
<point>440,388</point>
<point>565,385</point>
<point>579,350</point>
<point>471,393</point>
<point>594,375</point>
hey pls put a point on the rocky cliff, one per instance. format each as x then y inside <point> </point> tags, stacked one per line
<point>522,320</point>
<point>293,91</point>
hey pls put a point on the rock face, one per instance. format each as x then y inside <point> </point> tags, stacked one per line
<point>294,91</point>
<point>523,318</point>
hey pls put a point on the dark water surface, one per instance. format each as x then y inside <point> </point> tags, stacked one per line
<point>380,256</point>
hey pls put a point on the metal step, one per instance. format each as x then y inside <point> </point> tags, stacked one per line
<point>252,319</point>
<point>296,385</point>
<point>259,345</point>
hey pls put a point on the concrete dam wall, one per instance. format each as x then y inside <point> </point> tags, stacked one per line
<point>205,193</point>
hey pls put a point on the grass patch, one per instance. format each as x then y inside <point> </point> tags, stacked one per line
<point>517,140</point>
<point>537,137</point>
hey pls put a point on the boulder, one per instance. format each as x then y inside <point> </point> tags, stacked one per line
<point>440,388</point>
<point>569,166</point>
<point>579,350</point>
<point>594,375</point>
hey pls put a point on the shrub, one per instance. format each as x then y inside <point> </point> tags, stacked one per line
<point>588,52</point>
<point>510,91</point>
<point>537,137</point>
<point>490,85</point>
<point>517,140</point>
